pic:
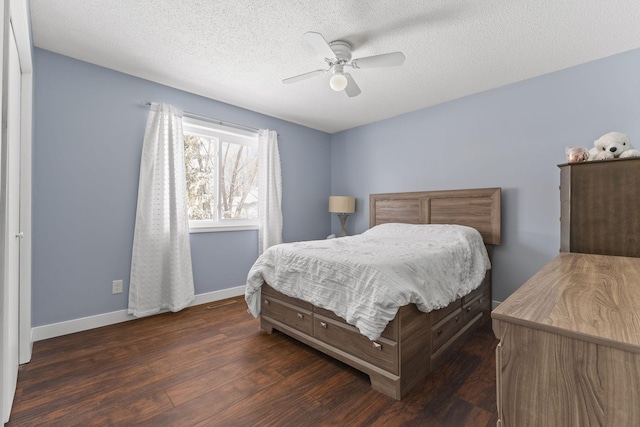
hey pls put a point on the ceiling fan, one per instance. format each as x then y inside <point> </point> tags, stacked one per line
<point>337,54</point>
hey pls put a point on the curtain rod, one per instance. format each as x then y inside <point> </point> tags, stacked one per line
<point>213,120</point>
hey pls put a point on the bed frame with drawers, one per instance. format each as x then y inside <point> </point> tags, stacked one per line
<point>414,343</point>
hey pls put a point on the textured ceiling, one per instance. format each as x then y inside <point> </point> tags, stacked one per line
<point>239,51</point>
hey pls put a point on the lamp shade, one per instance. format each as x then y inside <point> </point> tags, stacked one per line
<point>342,204</point>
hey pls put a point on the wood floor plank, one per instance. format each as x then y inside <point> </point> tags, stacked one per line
<point>479,387</point>
<point>462,413</point>
<point>208,405</point>
<point>210,365</point>
<point>120,411</point>
<point>339,387</point>
<point>286,400</point>
<point>259,373</point>
<point>358,409</point>
<point>69,391</point>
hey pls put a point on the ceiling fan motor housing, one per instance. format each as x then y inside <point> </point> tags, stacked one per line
<point>342,50</point>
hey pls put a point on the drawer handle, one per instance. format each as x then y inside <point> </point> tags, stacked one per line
<point>377,346</point>
<point>469,308</point>
<point>457,318</point>
<point>439,332</point>
<point>323,324</point>
<point>300,316</point>
<point>266,302</point>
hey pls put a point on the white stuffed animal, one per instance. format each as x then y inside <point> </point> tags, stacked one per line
<point>612,145</point>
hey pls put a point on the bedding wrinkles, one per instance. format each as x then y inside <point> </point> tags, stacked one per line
<point>366,278</point>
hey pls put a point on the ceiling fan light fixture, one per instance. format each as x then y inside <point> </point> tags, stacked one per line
<point>338,82</point>
<point>337,55</point>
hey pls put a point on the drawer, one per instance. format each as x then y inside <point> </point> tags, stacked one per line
<point>478,305</point>
<point>440,314</point>
<point>441,355</point>
<point>382,352</point>
<point>268,290</point>
<point>390,332</point>
<point>442,331</point>
<point>296,317</point>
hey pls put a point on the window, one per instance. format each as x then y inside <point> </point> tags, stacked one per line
<point>222,176</point>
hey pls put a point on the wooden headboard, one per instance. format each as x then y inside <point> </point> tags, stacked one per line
<point>478,208</point>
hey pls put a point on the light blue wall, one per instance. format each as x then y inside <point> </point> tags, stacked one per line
<point>511,137</point>
<point>88,130</point>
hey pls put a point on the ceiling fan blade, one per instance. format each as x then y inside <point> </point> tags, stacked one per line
<point>383,60</point>
<point>304,76</point>
<point>319,44</point>
<point>352,88</point>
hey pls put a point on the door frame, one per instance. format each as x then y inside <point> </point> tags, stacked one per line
<point>14,18</point>
<point>16,15</point>
<point>22,32</point>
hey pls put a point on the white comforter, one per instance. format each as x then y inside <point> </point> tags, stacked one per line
<point>365,279</point>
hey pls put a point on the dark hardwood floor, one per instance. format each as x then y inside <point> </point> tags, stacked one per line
<point>210,365</point>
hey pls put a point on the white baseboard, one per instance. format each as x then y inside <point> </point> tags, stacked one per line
<point>495,304</point>
<point>85,323</point>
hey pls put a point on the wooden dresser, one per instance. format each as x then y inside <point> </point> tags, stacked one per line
<point>599,207</point>
<point>569,351</point>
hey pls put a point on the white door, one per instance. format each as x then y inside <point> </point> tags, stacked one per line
<point>11,300</point>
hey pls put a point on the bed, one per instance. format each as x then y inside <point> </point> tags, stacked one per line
<point>414,342</point>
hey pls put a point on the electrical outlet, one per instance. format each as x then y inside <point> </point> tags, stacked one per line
<point>116,287</point>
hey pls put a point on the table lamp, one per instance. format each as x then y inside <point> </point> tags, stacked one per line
<point>343,206</point>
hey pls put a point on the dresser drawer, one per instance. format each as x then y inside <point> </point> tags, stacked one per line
<point>296,317</point>
<point>442,331</point>
<point>382,352</point>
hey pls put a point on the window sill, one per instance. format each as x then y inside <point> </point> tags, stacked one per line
<point>218,228</point>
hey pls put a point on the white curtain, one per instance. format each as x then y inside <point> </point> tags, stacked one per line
<point>161,275</point>
<point>270,198</point>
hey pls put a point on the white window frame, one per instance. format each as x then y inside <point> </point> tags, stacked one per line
<point>224,133</point>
